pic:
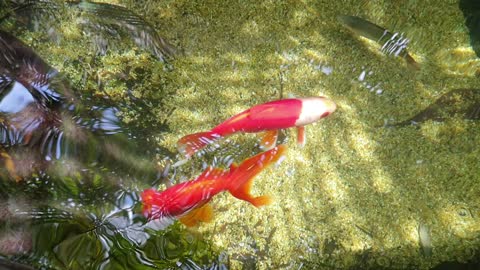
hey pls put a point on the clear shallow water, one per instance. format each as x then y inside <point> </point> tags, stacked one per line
<point>359,195</point>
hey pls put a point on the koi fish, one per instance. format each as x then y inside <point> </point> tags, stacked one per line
<point>188,201</point>
<point>270,117</point>
<point>461,103</point>
<point>392,43</point>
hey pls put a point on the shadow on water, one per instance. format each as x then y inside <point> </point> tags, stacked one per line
<point>471,13</point>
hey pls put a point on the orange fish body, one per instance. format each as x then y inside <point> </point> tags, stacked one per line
<point>188,201</point>
<point>270,116</point>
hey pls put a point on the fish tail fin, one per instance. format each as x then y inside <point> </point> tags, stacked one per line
<point>261,200</point>
<point>411,62</point>
<point>192,143</point>
<point>241,178</point>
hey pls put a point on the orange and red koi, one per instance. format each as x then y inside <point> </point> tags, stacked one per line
<point>188,201</point>
<point>271,116</point>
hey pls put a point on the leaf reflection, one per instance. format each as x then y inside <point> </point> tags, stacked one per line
<point>94,240</point>
<point>77,163</point>
<point>42,119</point>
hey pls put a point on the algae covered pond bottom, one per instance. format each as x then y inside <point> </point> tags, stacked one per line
<point>95,95</point>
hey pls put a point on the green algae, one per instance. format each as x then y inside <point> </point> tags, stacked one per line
<point>357,193</point>
<point>351,174</point>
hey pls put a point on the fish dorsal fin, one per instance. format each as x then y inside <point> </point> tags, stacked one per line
<point>233,166</point>
<point>211,173</point>
<point>261,110</point>
<point>203,213</point>
<point>279,110</point>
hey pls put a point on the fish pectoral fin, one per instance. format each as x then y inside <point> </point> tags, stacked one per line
<point>269,140</point>
<point>301,136</point>
<point>200,214</point>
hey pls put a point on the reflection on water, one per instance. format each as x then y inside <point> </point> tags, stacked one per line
<point>84,236</point>
<point>73,206</point>
<point>39,110</point>
<point>16,99</point>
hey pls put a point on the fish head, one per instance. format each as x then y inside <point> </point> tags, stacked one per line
<point>153,202</point>
<point>314,109</point>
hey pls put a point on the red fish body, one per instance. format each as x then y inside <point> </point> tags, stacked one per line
<point>271,116</point>
<point>188,201</point>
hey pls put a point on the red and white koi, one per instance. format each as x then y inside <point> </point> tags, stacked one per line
<point>270,117</point>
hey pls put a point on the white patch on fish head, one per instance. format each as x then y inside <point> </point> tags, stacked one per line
<point>314,109</point>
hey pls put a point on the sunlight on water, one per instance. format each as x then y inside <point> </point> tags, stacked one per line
<point>335,190</point>
<point>460,61</point>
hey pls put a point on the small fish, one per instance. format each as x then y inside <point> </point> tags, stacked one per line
<point>464,103</point>
<point>392,43</point>
<point>188,201</point>
<point>270,117</point>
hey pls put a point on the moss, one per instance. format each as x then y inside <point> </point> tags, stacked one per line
<point>356,194</point>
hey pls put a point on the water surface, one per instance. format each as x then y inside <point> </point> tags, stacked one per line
<point>363,192</point>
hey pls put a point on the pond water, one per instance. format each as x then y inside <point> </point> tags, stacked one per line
<point>95,96</point>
